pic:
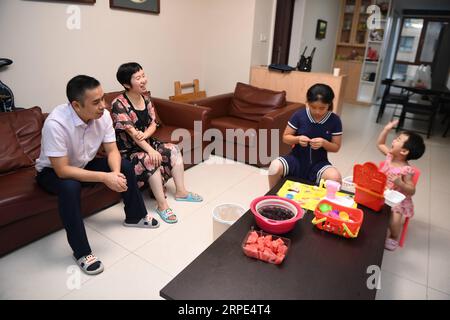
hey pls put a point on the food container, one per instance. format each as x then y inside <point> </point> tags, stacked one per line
<point>224,215</point>
<point>348,185</point>
<point>346,224</point>
<point>265,247</point>
<point>393,198</point>
<point>277,206</point>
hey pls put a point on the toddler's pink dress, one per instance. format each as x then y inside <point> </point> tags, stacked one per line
<point>406,207</point>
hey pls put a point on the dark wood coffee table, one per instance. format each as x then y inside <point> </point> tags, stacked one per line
<point>319,265</point>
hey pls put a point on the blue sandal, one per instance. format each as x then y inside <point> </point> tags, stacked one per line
<point>191,197</point>
<point>166,214</point>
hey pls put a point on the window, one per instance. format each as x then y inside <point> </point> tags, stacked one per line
<point>406,44</point>
<point>417,44</point>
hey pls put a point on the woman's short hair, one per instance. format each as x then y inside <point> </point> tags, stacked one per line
<point>126,71</point>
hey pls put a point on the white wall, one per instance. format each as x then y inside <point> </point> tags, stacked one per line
<point>206,39</point>
<point>228,35</point>
<point>305,35</point>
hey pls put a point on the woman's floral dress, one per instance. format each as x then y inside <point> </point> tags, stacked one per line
<point>125,116</point>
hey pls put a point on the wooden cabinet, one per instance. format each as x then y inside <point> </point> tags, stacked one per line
<point>352,69</point>
<point>352,45</point>
<point>353,25</point>
<point>297,83</point>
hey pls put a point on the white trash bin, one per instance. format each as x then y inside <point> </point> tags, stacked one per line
<point>224,216</point>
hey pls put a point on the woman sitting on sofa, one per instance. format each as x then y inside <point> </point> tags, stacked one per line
<point>154,161</point>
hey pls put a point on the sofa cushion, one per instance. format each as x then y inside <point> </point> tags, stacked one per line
<point>22,197</point>
<point>12,156</point>
<point>224,123</point>
<point>251,103</point>
<point>27,124</point>
<point>164,134</point>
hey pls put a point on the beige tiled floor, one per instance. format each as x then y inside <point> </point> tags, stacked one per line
<point>138,262</point>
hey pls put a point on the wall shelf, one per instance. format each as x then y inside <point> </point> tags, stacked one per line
<point>352,49</point>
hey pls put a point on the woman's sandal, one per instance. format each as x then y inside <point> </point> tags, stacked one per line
<point>191,197</point>
<point>391,244</point>
<point>166,214</point>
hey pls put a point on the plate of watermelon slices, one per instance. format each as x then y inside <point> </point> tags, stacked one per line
<point>266,247</point>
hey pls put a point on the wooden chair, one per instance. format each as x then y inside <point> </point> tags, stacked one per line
<point>180,96</point>
<point>406,223</point>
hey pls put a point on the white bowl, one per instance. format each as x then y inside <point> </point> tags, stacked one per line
<point>348,185</point>
<point>393,198</point>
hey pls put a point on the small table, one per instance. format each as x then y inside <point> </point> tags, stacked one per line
<point>318,265</point>
<point>434,91</point>
<point>428,109</point>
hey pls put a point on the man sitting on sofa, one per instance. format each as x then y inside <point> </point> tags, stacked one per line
<point>71,137</point>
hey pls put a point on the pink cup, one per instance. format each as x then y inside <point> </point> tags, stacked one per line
<point>332,188</point>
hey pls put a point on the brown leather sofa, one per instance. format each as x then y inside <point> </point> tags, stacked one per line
<point>247,108</point>
<point>27,212</point>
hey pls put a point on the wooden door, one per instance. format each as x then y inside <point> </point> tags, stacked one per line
<point>282,32</point>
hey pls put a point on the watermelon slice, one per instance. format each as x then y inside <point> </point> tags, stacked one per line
<point>263,247</point>
<point>253,236</point>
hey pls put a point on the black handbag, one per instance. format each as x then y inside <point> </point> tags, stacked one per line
<point>301,61</point>
<point>305,63</point>
<point>6,95</point>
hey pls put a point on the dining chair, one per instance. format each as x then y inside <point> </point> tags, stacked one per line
<point>390,98</point>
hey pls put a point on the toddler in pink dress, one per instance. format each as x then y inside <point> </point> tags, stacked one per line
<point>406,146</point>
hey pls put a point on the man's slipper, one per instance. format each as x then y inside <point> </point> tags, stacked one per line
<point>146,222</point>
<point>191,197</point>
<point>166,214</point>
<point>90,264</point>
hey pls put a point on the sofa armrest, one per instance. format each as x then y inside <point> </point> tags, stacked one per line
<point>179,114</point>
<point>279,117</point>
<point>220,104</point>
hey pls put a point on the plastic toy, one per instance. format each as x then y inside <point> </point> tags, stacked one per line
<point>393,198</point>
<point>344,216</point>
<point>332,188</point>
<point>325,207</point>
<point>348,185</point>
<point>348,228</point>
<point>309,196</point>
<point>369,185</point>
<point>334,213</point>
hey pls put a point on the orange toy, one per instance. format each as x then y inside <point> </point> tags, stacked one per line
<point>347,224</point>
<point>369,184</point>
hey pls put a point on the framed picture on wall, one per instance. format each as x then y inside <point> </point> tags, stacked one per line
<point>75,1</point>
<point>149,6</point>
<point>321,29</point>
